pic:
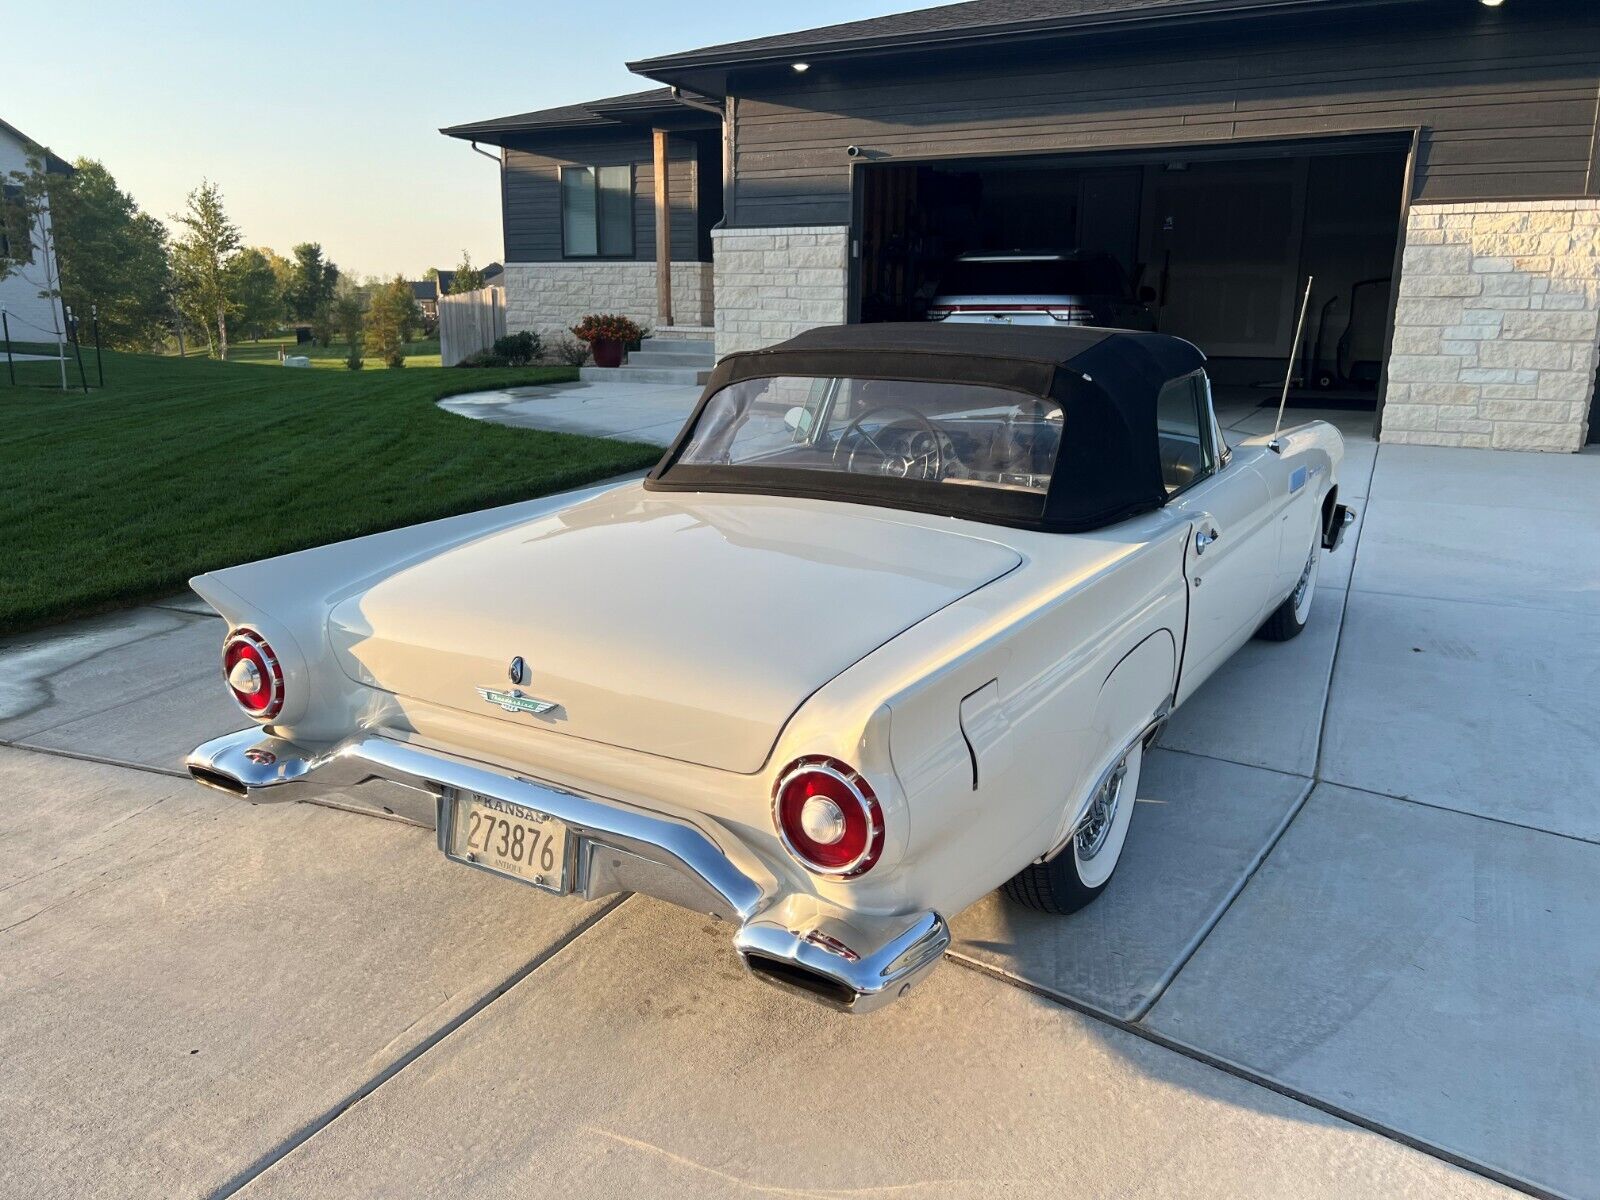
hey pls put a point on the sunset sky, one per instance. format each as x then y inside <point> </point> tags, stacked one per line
<point>320,121</point>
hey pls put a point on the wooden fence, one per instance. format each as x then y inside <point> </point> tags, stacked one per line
<point>470,322</point>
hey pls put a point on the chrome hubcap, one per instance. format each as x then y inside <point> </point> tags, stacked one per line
<point>1305,579</point>
<point>1097,822</point>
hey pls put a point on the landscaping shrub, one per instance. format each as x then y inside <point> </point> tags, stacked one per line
<point>485,358</point>
<point>518,349</point>
<point>568,350</point>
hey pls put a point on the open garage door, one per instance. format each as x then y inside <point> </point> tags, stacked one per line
<point>1209,244</point>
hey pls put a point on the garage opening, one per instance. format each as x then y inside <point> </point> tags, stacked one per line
<point>1210,245</point>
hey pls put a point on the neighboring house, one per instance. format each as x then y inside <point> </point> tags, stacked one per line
<point>31,317</point>
<point>1434,164</point>
<point>493,276</point>
<point>426,292</point>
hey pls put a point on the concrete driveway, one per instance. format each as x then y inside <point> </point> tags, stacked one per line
<point>1353,948</point>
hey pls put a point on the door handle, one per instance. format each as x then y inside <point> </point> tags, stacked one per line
<point>1204,538</point>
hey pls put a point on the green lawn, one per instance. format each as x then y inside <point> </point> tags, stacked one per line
<point>184,465</point>
<point>418,354</point>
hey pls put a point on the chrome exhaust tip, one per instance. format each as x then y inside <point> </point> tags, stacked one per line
<point>250,765</point>
<point>216,780</point>
<point>849,962</point>
<point>793,977</point>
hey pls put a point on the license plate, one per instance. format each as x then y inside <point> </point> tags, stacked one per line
<point>509,839</point>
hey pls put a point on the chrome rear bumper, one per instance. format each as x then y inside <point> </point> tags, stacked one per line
<point>848,961</point>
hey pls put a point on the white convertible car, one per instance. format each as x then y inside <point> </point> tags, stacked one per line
<point>890,625</point>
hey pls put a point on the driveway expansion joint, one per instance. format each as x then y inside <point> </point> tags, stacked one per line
<point>1137,1028</point>
<point>308,1131</point>
<point>80,756</point>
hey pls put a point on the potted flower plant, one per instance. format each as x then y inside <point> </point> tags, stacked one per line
<point>607,334</point>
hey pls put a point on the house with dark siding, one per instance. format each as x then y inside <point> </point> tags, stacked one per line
<point>1432,165</point>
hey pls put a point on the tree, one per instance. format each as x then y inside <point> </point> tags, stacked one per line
<point>283,272</point>
<point>312,281</point>
<point>467,277</point>
<point>253,288</point>
<point>392,311</point>
<point>113,257</point>
<point>201,259</point>
<point>349,311</point>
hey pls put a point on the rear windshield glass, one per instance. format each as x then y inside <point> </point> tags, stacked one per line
<point>1024,277</point>
<point>948,433</point>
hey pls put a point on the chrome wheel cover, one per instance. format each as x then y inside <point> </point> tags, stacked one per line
<point>1300,598</point>
<point>1097,822</point>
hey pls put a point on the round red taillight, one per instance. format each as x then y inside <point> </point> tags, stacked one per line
<point>253,674</point>
<point>828,817</point>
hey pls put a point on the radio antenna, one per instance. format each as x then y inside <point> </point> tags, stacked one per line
<point>1288,375</point>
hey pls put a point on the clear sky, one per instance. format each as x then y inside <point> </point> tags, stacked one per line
<point>320,120</point>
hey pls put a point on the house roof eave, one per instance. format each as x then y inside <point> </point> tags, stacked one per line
<point>706,69</point>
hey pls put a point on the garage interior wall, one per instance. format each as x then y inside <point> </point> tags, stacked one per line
<point>1221,246</point>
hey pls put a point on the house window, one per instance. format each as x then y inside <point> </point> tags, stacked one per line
<point>597,212</point>
<point>16,240</point>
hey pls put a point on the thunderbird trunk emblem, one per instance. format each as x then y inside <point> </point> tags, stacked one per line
<point>515,701</point>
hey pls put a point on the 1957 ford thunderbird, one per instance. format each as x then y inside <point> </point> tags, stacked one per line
<point>891,624</point>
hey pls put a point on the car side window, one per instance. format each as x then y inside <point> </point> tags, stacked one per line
<point>1183,428</point>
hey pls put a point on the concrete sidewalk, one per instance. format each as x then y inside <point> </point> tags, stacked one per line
<point>1359,914</point>
<point>633,412</point>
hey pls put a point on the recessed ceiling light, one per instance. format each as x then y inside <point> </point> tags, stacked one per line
<point>1491,3</point>
<point>807,66</point>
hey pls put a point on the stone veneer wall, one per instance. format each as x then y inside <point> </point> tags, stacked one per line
<point>773,283</point>
<point>548,297</point>
<point>1496,326</point>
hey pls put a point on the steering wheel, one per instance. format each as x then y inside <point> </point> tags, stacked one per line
<point>928,465</point>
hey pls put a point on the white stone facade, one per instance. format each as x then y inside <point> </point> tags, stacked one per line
<point>550,297</point>
<point>772,283</point>
<point>1496,326</point>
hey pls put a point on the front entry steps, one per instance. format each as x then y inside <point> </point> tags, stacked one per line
<point>660,360</point>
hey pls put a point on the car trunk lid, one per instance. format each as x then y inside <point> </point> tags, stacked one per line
<point>689,626</point>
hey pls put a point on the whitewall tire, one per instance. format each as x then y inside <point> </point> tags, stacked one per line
<point>1290,617</point>
<point>1084,867</point>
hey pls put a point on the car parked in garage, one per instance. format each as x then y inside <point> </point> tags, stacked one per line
<point>1022,288</point>
<point>890,625</point>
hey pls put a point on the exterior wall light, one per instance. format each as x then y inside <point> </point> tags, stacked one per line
<point>1491,3</point>
<point>807,66</point>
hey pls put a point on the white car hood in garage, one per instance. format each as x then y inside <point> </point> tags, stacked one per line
<point>687,626</point>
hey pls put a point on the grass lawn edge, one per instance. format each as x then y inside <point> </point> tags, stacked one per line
<point>618,460</point>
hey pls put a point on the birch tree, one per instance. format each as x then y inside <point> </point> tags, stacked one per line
<point>201,259</point>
